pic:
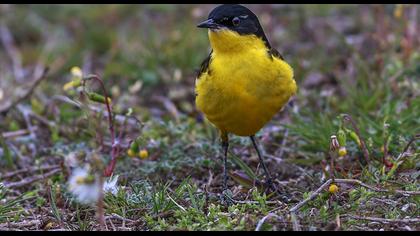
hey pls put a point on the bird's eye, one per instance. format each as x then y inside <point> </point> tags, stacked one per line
<point>236,21</point>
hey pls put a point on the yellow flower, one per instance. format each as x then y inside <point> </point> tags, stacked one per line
<point>131,153</point>
<point>76,72</point>
<point>333,188</point>
<point>342,151</point>
<point>143,154</point>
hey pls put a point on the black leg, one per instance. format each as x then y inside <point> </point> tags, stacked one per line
<point>225,145</point>
<point>267,173</point>
<point>226,197</point>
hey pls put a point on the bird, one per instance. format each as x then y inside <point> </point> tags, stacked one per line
<point>244,81</point>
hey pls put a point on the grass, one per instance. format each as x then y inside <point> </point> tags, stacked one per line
<point>365,65</point>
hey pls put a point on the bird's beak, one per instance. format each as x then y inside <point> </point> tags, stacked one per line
<point>210,24</point>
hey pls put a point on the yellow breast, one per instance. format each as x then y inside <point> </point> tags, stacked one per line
<point>244,87</point>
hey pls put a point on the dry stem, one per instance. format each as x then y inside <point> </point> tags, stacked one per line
<point>349,181</point>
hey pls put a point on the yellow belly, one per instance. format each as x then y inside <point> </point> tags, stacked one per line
<point>244,91</point>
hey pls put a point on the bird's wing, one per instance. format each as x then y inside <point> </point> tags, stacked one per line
<point>274,53</point>
<point>204,65</point>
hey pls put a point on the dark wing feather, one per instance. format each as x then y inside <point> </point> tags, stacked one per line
<point>274,53</point>
<point>204,65</point>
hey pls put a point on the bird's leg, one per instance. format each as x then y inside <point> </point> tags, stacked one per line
<point>267,173</point>
<point>225,145</point>
<point>226,197</point>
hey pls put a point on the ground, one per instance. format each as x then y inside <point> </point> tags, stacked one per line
<point>357,68</point>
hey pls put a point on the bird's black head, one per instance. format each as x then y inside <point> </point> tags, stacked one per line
<point>236,18</point>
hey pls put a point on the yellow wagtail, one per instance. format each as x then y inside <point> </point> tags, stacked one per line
<point>243,82</point>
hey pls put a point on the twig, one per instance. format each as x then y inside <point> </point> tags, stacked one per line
<point>28,170</point>
<point>10,104</point>
<point>385,201</point>
<point>17,133</point>
<point>29,112</point>
<point>417,136</point>
<point>338,221</point>
<point>295,221</point>
<point>261,222</point>
<point>284,205</point>
<point>123,144</point>
<point>383,220</point>
<point>118,118</point>
<point>313,195</point>
<point>180,207</point>
<point>277,159</point>
<point>253,202</point>
<point>350,181</point>
<point>355,181</point>
<point>30,180</point>
<point>112,224</point>
<point>20,224</point>
<point>169,106</point>
<point>210,179</point>
<point>116,216</point>
<point>12,51</point>
<point>65,99</point>
<point>25,114</point>
<point>215,195</point>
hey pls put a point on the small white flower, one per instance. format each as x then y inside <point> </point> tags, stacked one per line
<point>110,185</point>
<point>85,190</point>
